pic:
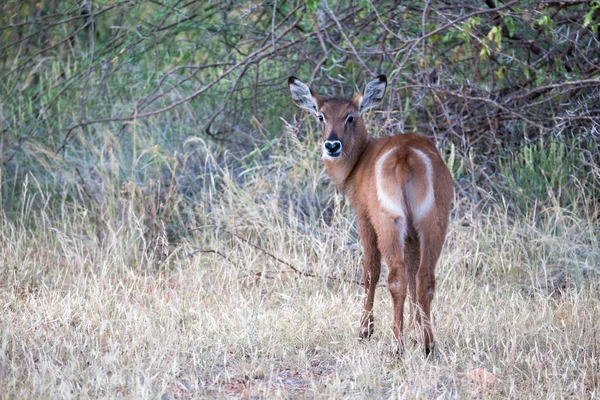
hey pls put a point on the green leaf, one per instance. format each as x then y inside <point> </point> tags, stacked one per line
<point>501,73</point>
<point>484,53</point>
<point>311,5</point>
<point>588,18</point>
<point>510,25</point>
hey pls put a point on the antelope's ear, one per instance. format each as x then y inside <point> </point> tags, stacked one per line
<point>303,96</point>
<point>372,95</point>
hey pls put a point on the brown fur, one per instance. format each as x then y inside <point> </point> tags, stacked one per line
<point>411,261</point>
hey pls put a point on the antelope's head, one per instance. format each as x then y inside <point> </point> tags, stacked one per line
<point>344,131</point>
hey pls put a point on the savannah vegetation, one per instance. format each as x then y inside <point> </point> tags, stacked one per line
<point>167,229</point>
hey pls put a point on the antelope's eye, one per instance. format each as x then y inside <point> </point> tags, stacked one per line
<point>349,119</point>
<point>320,116</point>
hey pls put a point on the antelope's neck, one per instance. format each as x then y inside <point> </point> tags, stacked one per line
<point>342,171</point>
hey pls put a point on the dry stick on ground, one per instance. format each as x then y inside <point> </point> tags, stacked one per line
<point>287,264</point>
<point>220,254</point>
<point>211,251</point>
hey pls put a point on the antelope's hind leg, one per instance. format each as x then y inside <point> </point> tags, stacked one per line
<point>391,234</point>
<point>432,240</point>
<point>371,272</point>
<point>412,259</point>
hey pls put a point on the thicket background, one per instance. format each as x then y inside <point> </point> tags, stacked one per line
<point>170,122</point>
<point>511,88</point>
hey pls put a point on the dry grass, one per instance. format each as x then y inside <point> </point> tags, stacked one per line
<point>516,314</point>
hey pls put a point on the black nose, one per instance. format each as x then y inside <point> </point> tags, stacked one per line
<point>333,147</point>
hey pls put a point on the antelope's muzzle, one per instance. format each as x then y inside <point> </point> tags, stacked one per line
<point>332,149</point>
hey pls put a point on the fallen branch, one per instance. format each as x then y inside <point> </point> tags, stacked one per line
<point>279,260</point>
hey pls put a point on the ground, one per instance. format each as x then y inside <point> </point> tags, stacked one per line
<point>510,317</point>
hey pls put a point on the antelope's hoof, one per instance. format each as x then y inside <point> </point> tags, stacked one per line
<point>429,350</point>
<point>397,349</point>
<point>366,331</point>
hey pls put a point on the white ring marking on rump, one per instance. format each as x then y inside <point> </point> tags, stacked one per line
<point>422,209</point>
<point>393,206</point>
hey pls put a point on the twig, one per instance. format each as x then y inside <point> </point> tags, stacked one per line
<point>413,43</point>
<point>208,251</point>
<point>253,57</point>
<point>287,264</point>
<point>341,28</point>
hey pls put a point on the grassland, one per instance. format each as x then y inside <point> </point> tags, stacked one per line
<point>103,304</point>
<point>167,230</point>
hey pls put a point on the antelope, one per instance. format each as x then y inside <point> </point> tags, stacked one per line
<point>400,190</point>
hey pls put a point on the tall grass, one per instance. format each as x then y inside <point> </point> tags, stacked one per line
<point>140,290</point>
<point>153,258</point>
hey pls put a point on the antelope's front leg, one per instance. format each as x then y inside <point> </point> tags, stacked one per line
<point>371,272</point>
